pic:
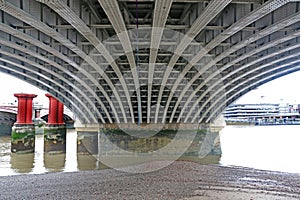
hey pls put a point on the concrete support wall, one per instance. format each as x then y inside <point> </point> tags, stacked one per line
<point>147,138</point>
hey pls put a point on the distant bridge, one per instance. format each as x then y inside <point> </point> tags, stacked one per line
<point>8,115</point>
<point>9,109</point>
<point>9,112</point>
<point>146,61</point>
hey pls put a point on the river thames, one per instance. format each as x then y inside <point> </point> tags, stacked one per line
<point>274,148</point>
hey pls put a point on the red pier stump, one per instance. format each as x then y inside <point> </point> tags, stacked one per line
<point>23,130</point>
<point>55,129</point>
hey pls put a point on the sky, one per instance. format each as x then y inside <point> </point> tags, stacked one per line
<point>281,90</point>
<point>10,85</point>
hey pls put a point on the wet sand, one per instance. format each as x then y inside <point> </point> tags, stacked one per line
<point>181,180</point>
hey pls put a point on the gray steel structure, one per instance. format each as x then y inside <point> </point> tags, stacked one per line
<point>202,54</point>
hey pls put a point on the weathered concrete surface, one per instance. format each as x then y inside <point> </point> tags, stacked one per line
<point>23,138</point>
<point>110,141</point>
<point>181,180</point>
<point>55,138</point>
<point>87,143</point>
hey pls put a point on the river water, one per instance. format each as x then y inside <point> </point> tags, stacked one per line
<point>273,148</point>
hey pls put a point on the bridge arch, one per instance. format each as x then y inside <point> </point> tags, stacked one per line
<point>70,50</point>
<point>67,118</point>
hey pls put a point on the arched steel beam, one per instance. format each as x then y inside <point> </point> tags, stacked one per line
<point>160,15</point>
<point>269,45</point>
<point>24,59</point>
<point>219,81</point>
<point>292,19</point>
<point>213,8</point>
<point>263,66</point>
<point>218,92</point>
<point>70,16</point>
<point>197,1</point>
<point>258,13</point>
<point>267,31</point>
<point>248,19</point>
<point>45,77</point>
<point>35,42</point>
<point>257,83</point>
<point>113,12</point>
<point>228,75</point>
<point>82,115</point>
<point>234,97</point>
<point>27,18</point>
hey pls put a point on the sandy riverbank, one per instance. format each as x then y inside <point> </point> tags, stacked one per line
<point>181,180</point>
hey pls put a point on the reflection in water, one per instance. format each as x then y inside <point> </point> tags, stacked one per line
<point>262,147</point>
<point>39,155</point>
<point>86,162</point>
<point>5,166</point>
<point>54,162</point>
<point>40,162</point>
<point>22,163</point>
<point>71,151</point>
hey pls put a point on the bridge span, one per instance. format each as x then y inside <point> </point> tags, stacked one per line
<point>146,61</point>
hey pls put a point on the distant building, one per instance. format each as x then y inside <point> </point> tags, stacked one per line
<point>266,112</point>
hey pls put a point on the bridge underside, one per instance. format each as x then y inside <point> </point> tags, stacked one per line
<point>146,61</point>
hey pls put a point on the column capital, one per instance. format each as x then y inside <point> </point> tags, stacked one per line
<point>24,95</point>
<point>49,95</point>
<point>24,115</point>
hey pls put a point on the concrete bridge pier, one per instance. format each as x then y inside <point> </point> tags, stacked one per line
<point>87,138</point>
<point>148,138</point>
<point>23,130</point>
<point>55,129</point>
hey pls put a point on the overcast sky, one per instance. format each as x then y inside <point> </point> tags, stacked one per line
<point>10,85</point>
<point>284,89</point>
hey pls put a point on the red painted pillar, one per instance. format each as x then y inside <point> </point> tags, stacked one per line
<point>55,129</point>
<point>53,105</point>
<point>56,111</point>
<point>29,111</point>
<point>60,113</point>
<point>21,118</point>
<point>52,118</point>
<point>24,115</point>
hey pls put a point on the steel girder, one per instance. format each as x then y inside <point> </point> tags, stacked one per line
<point>168,61</point>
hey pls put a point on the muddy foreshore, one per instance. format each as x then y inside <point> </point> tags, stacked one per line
<point>180,180</point>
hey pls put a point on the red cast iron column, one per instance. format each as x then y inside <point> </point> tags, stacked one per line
<point>52,116</point>
<point>55,129</point>
<point>29,109</point>
<point>24,115</point>
<point>60,113</point>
